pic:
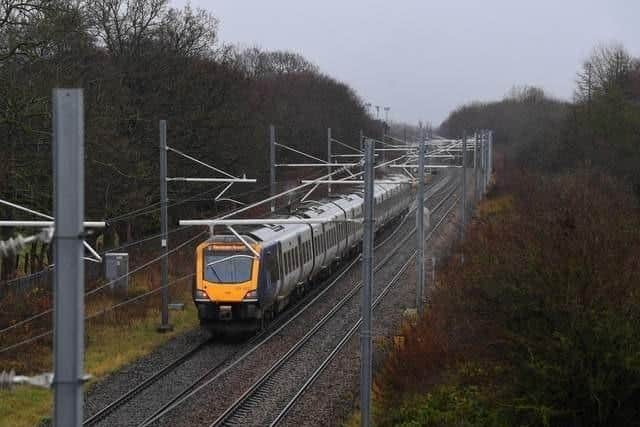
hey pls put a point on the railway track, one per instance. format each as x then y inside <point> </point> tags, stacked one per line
<point>234,357</point>
<point>345,339</point>
<point>252,401</point>
<point>221,376</point>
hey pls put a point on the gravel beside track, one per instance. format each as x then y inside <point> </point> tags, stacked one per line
<point>333,397</point>
<point>223,391</point>
<point>213,399</point>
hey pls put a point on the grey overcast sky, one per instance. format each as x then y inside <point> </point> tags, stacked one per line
<point>424,58</point>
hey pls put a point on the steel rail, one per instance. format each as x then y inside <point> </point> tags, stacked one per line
<point>231,411</point>
<point>197,385</point>
<point>126,397</point>
<point>316,373</point>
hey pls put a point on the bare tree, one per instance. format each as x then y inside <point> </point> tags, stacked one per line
<point>608,68</point>
<point>188,32</point>
<point>17,21</point>
<point>258,63</point>
<point>123,26</point>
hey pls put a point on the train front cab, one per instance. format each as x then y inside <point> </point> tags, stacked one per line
<point>227,293</point>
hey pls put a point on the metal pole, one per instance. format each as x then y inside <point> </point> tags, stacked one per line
<point>475,169</point>
<point>361,140</point>
<point>164,220</point>
<point>484,162</point>
<point>433,272</point>
<point>272,165</point>
<point>329,157</point>
<point>420,230</point>
<point>464,185</point>
<point>68,172</point>
<point>490,158</point>
<point>367,277</point>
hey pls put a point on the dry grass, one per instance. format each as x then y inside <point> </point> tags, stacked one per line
<point>109,348</point>
<point>112,339</point>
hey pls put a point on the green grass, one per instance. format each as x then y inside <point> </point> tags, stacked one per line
<point>108,348</point>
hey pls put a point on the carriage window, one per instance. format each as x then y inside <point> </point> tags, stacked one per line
<point>286,262</point>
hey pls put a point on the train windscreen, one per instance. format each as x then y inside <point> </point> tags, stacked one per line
<point>227,266</point>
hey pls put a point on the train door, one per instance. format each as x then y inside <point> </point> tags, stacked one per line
<point>270,281</point>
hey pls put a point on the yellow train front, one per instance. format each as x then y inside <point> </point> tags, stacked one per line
<point>226,284</point>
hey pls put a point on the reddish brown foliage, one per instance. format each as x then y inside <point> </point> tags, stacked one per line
<point>548,287</point>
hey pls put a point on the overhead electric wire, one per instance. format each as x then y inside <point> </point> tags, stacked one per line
<point>173,250</point>
<point>142,240</point>
<point>112,282</point>
<point>93,291</point>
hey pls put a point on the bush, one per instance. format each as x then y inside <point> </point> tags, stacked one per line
<point>545,307</point>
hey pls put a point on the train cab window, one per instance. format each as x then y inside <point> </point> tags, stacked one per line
<point>227,266</point>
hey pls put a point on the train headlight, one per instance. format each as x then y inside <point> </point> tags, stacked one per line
<point>251,295</point>
<point>199,294</point>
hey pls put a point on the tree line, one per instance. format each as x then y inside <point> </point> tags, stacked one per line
<point>140,61</point>
<point>601,127</point>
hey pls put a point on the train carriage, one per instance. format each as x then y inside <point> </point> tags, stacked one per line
<point>236,290</point>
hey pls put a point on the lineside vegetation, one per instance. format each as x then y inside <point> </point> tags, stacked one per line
<point>540,326</point>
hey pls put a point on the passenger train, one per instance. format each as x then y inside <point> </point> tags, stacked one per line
<point>236,291</point>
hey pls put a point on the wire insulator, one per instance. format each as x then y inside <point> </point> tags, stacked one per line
<point>12,246</point>
<point>6,378</point>
<point>16,244</point>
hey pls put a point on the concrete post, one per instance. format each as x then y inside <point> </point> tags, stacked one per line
<point>68,172</point>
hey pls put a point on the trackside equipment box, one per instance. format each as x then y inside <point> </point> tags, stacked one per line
<point>117,266</point>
